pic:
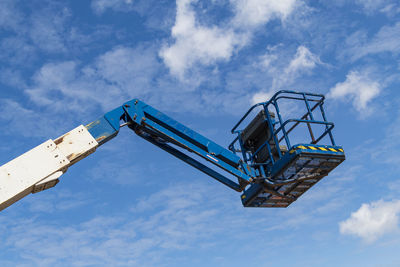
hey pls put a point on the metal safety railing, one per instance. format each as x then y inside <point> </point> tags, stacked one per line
<point>280,129</point>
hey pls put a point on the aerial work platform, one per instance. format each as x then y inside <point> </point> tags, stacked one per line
<point>286,171</point>
<point>273,160</point>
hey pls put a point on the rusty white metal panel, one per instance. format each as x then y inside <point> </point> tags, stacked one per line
<point>76,144</point>
<point>18,177</point>
<point>40,168</point>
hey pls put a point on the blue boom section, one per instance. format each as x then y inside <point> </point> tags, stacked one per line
<point>261,162</point>
<point>176,139</point>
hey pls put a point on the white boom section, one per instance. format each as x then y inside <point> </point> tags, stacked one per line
<point>40,168</point>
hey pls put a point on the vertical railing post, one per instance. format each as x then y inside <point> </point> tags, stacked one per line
<point>311,118</point>
<point>308,107</point>
<point>283,126</point>
<point>311,132</point>
<point>242,147</point>
<point>271,128</point>
<point>327,128</point>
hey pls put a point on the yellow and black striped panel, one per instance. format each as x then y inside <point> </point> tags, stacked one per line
<point>327,149</point>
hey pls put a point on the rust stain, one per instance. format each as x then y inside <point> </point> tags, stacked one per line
<point>61,139</point>
<point>71,156</point>
<point>98,139</point>
<point>74,156</point>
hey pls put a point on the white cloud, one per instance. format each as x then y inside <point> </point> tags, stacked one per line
<point>385,6</point>
<point>114,77</point>
<point>48,30</point>
<point>10,17</point>
<point>253,13</point>
<point>279,68</point>
<point>174,219</point>
<point>371,5</point>
<point>17,51</point>
<point>302,62</point>
<point>25,122</point>
<point>50,79</point>
<point>387,39</point>
<point>57,200</point>
<point>391,9</point>
<point>130,68</point>
<point>372,221</point>
<point>36,32</point>
<point>63,88</point>
<point>100,6</point>
<point>261,97</point>
<point>270,57</point>
<point>120,74</point>
<point>158,230</point>
<point>359,88</point>
<point>196,44</point>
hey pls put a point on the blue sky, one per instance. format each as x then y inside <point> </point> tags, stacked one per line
<point>65,63</point>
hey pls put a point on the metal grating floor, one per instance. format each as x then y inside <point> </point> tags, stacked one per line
<point>302,173</point>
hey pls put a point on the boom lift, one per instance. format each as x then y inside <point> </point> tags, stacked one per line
<point>261,162</point>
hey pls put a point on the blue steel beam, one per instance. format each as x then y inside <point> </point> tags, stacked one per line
<point>194,163</point>
<point>174,132</point>
<point>143,118</point>
<point>148,112</point>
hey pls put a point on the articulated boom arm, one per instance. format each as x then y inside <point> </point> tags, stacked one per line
<point>268,173</point>
<point>175,138</point>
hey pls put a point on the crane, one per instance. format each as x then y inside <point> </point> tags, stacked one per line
<point>262,162</point>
